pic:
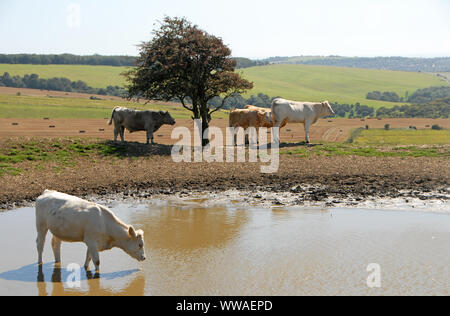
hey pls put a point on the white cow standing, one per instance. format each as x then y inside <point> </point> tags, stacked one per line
<point>307,113</point>
<point>72,219</point>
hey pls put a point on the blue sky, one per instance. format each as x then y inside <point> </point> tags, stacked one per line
<point>254,29</point>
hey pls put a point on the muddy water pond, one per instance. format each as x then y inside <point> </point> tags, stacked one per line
<point>232,250</point>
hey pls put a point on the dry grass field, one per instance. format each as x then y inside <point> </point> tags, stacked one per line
<point>337,130</point>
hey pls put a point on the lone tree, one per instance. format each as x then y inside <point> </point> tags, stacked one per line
<point>185,63</point>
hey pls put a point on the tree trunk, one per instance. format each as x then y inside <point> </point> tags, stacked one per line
<point>205,126</point>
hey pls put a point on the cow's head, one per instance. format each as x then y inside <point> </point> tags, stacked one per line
<point>167,118</point>
<point>265,119</point>
<point>327,110</point>
<point>134,245</point>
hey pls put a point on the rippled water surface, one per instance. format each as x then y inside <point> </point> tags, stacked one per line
<point>227,250</point>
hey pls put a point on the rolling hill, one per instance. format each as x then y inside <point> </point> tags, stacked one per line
<point>94,76</point>
<point>298,82</point>
<point>336,84</point>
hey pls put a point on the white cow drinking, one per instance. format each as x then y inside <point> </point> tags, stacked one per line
<point>71,219</point>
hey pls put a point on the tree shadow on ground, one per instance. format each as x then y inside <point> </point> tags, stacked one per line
<point>133,149</point>
<point>300,144</point>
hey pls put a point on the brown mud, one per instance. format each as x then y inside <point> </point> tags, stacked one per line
<point>332,180</point>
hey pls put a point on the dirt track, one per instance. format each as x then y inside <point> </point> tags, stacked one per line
<point>337,130</point>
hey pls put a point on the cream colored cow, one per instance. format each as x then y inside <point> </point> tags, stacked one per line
<point>71,219</point>
<point>308,113</point>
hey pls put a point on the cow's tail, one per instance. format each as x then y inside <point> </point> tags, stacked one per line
<point>112,116</point>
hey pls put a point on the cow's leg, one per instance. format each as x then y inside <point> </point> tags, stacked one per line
<point>56,246</point>
<point>150,135</point>
<point>88,260</point>
<point>40,241</point>
<point>307,126</point>
<point>234,134</point>
<point>276,132</point>
<point>122,133</point>
<point>116,132</point>
<point>93,252</point>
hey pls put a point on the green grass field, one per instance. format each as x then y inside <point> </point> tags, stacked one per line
<point>383,143</point>
<point>94,76</point>
<point>298,82</point>
<point>402,137</point>
<point>335,84</point>
<point>39,107</point>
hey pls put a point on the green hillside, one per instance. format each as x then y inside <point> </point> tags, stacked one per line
<point>297,82</point>
<point>94,76</point>
<point>335,84</point>
<point>12,106</point>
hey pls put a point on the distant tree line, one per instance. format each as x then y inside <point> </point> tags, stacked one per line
<point>237,101</point>
<point>67,59</point>
<point>384,96</point>
<point>353,110</point>
<point>95,60</point>
<point>57,84</point>
<point>440,64</point>
<point>427,95</point>
<point>420,96</point>
<point>435,109</point>
<point>246,62</point>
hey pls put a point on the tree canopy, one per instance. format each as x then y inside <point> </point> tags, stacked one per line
<point>186,63</point>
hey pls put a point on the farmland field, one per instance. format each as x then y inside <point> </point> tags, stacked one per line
<point>403,137</point>
<point>336,84</point>
<point>94,76</point>
<point>40,104</point>
<point>298,82</point>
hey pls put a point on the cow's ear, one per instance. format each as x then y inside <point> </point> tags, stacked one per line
<point>132,232</point>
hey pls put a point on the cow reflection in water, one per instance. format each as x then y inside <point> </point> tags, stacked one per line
<point>93,281</point>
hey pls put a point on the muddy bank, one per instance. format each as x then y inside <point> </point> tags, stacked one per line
<point>331,180</point>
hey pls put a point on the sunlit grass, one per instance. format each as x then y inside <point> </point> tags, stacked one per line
<point>335,84</point>
<point>94,76</point>
<point>12,106</point>
<point>63,152</point>
<point>402,137</point>
<point>297,82</point>
<point>341,149</point>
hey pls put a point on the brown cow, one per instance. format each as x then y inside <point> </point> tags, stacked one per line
<point>250,117</point>
<point>246,118</point>
<point>268,115</point>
